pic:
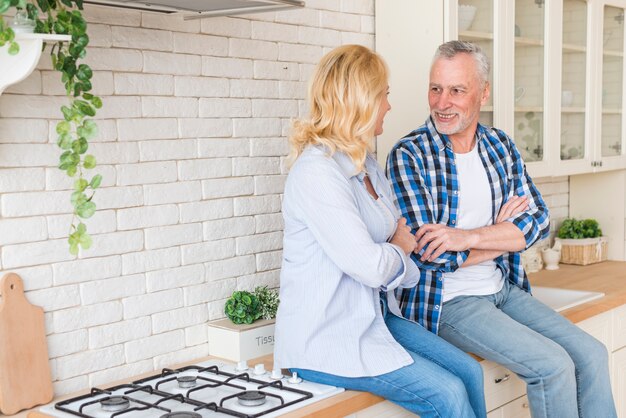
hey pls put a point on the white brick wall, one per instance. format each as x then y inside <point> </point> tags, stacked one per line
<point>191,143</point>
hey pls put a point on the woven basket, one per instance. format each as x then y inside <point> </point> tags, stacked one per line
<point>583,251</point>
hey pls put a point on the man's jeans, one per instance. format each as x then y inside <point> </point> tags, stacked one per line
<point>443,381</point>
<point>565,369</point>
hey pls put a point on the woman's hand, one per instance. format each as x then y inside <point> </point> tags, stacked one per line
<point>403,237</point>
<point>515,205</point>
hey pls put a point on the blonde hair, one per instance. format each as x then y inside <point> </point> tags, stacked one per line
<point>344,98</point>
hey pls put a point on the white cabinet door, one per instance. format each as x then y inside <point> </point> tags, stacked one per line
<point>619,327</point>
<point>572,147</point>
<point>600,327</point>
<point>476,24</point>
<point>619,381</point>
<point>610,152</point>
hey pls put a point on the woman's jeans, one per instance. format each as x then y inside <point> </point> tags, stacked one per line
<point>442,382</point>
<point>565,369</point>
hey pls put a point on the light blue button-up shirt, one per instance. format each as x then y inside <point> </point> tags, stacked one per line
<point>336,260</point>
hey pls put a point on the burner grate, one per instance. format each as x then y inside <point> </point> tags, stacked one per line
<point>182,393</point>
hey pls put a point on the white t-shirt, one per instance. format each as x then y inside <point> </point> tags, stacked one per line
<point>475,203</point>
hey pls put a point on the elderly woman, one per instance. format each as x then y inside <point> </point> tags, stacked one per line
<point>346,246</point>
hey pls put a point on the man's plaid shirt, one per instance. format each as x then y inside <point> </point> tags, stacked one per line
<point>422,170</point>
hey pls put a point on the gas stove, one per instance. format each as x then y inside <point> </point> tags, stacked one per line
<point>206,390</point>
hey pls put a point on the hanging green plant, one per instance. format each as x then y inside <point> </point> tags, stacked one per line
<point>64,17</point>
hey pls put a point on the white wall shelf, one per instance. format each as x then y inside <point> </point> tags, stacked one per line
<point>528,41</point>
<point>574,48</point>
<point>16,68</point>
<point>476,35</point>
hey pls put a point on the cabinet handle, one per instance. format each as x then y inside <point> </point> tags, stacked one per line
<point>525,405</point>
<point>502,379</point>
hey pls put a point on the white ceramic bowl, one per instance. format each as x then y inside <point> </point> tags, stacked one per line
<point>466,16</point>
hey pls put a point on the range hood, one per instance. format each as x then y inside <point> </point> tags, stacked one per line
<point>196,9</point>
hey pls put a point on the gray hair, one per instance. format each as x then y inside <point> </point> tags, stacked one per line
<point>450,49</point>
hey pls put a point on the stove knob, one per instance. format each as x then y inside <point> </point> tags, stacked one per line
<point>241,366</point>
<point>294,379</point>
<point>276,374</point>
<point>259,369</point>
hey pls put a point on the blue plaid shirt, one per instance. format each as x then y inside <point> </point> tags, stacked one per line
<point>422,170</point>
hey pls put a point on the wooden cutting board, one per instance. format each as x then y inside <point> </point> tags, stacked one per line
<point>25,379</point>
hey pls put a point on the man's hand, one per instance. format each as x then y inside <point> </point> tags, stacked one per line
<point>403,237</point>
<point>442,238</point>
<point>515,205</point>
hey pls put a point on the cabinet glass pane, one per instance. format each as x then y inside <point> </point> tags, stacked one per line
<point>573,80</point>
<point>476,25</point>
<point>612,81</point>
<point>529,78</point>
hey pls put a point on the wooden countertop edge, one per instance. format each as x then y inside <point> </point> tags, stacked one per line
<point>569,277</point>
<point>337,406</point>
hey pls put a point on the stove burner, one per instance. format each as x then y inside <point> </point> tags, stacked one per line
<point>251,398</point>
<point>114,403</point>
<point>182,414</point>
<point>186,381</point>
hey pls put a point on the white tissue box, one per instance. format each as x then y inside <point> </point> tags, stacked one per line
<point>241,342</point>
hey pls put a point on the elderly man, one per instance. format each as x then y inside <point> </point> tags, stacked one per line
<point>464,188</point>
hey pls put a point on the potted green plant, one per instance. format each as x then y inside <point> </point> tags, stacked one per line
<point>64,17</point>
<point>581,242</point>
<point>268,298</point>
<point>245,307</point>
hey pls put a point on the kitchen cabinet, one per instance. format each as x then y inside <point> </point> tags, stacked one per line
<point>562,97</point>
<point>610,329</point>
<point>619,381</point>
<point>557,88</point>
<point>619,360</point>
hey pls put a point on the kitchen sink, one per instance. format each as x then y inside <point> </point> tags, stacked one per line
<point>561,299</point>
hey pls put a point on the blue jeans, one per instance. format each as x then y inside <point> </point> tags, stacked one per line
<point>442,382</point>
<point>565,369</point>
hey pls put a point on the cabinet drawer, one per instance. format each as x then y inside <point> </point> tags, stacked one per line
<point>517,409</point>
<point>501,385</point>
<point>619,328</point>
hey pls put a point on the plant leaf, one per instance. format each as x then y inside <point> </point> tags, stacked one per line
<point>64,141</point>
<point>63,127</point>
<point>4,5</point>
<point>86,210</point>
<point>95,181</point>
<point>80,185</point>
<point>90,161</point>
<point>14,48</point>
